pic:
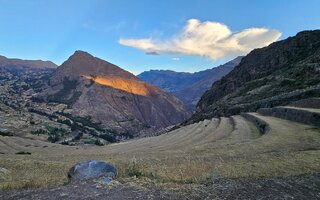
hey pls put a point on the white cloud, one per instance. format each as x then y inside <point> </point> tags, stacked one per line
<point>175,59</point>
<point>210,39</point>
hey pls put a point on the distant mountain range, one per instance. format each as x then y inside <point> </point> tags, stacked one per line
<point>279,74</point>
<point>13,64</point>
<point>188,87</point>
<point>122,103</point>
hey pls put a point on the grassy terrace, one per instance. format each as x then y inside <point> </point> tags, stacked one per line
<point>232,147</point>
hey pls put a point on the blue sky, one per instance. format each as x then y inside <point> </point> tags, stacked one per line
<point>53,30</point>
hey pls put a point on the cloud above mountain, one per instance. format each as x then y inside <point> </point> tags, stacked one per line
<point>209,39</point>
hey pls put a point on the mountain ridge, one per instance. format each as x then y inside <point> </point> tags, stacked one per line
<point>21,63</point>
<point>186,86</point>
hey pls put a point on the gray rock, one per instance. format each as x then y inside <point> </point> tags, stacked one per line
<point>4,173</point>
<point>215,177</point>
<point>92,169</point>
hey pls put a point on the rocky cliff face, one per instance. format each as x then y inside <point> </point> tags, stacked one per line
<point>110,95</point>
<point>188,87</point>
<point>283,72</point>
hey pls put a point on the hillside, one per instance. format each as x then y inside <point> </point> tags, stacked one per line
<point>283,72</point>
<point>263,152</point>
<point>104,93</point>
<point>188,87</point>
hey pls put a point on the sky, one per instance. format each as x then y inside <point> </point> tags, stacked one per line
<point>139,35</point>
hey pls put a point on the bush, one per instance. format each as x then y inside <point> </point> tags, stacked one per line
<point>39,132</point>
<point>54,138</point>
<point>98,142</point>
<point>90,141</point>
<point>85,121</point>
<point>109,137</point>
<point>132,169</point>
<point>54,134</point>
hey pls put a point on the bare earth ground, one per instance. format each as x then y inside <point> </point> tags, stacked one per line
<point>298,187</point>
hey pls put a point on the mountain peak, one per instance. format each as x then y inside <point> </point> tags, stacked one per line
<point>81,53</point>
<point>82,63</point>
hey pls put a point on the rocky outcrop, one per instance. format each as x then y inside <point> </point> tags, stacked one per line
<point>188,87</point>
<point>279,74</point>
<point>109,95</point>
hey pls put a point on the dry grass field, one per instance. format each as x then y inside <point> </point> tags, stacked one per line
<point>231,147</point>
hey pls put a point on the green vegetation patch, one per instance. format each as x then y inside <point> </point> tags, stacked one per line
<point>54,134</point>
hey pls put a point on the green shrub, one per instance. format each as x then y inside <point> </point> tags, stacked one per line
<point>133,169</point>
<point>109,137</point>
<point>6,133</point>
<point>54,134</point>
<point>39,132</point>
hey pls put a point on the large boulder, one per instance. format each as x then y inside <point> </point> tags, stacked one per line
<point>92,169</point>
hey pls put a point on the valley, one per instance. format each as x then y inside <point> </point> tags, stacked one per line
<point>254,132</point>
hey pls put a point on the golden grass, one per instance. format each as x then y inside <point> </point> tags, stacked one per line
<point>187,155</point>
<point>25,173</point>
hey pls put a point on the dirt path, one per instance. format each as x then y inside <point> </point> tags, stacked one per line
<point>300,187</point>
<point>88,190</point>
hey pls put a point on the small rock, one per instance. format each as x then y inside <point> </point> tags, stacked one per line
<point>4,173</point>
<point>63,194</point>
<point>98,186</point>
<point>104,180</point>
<point>92,169</point>
<point>215,177</point>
